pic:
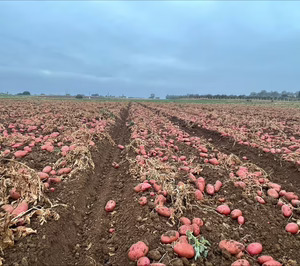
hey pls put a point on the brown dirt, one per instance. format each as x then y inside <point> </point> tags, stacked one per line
<point>264,223</point>
<point>283,172</point>
<point>81,237</point>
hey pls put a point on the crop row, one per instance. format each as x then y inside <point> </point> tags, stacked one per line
<point>41,145</point>
<point>272,130</point>
<point>187,178</point>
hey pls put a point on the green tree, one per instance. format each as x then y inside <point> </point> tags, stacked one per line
<point>79,96</point>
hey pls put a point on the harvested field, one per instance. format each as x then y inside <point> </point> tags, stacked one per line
<point>158,163</point>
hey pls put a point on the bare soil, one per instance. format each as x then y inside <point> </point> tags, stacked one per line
<point>81,236</point>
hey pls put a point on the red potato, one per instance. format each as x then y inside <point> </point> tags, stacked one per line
<point>145,186</point>
<point>218,185</point>
<point>157,187</point>
<point>164,211</point>
<point>213,161</point>
<point>138,250</point>
<point>264,258</point>
<point>240,184</point>
<point>163,192</point>
<point>185,221</point>
<point>43,175</point>
<point>198,221</point>
<point>185,168</point>
<point>55,180</point>
<point>274,186</point>
<point>138,188</point>
<point>47,169</point>
<point>223,209</point>
<point>286,210</point>
<point>292,228</point>
<point>241,220</point>
<point>240,255</point>
<point>272,263</point>
<point>50,148</point>
<point>233,247</point>
<point>295,202</point>
<point>184,250</point>
<point>28,149</point>
<point>160,200</point>
<point>200,184</point>
<point>143,261</point>
<point>121,147</point>
<point>91,143</point>
<point>236,213</point>
<point>182,158</point>
<point>210,189</point>
<point>183,239</point>
<point>282,193</point>
<point>196,229</point>
<point>143,201</point>
<point>8,208</point>
<point>111,230</point>
<point>22,207</point>
<point>20,154</point>
<point>14,194</point>
<point>254,248</point>
<point>290,196</point>
<point>115,165</point>
<point>273,193</point>
<point>192,177</point>
<point>260,199</point>
<point>52,172</point>
<point>142,187</point>
<point>110,205</point>
<point>169,237</point>
<point>184,228</point>
<point>6,152</point>
<point>65,149</point>
<point>198,195</point>
<point>259,193</point>
<point>65,170</point>
<point>241,262</point>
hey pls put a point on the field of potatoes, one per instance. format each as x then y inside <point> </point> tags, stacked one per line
<point>147,183</point>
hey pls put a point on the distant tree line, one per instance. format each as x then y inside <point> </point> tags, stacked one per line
<point>27,93</point>
<point>263,95</point>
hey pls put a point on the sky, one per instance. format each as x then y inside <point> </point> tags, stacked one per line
<point>136,48</point>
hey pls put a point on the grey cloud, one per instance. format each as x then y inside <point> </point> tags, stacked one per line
<point>140,47</point>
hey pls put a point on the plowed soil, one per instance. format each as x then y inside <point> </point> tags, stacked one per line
<point>280,171</point>
<point>81,236</point>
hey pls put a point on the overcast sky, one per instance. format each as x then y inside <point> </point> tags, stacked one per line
<point>136,47</point>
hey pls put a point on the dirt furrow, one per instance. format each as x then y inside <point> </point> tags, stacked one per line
<point>271,233</point>
<point>78,237</point>
<point>280,171</point>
